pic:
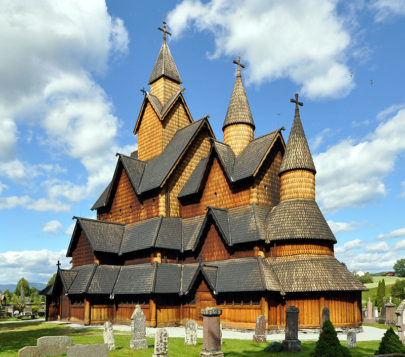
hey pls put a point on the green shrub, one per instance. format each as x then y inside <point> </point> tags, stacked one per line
<point>398,289</point>
<point>365,279</point>
<point>274,347</point>
<point>35,309</point>
<point>390,343</point>
<point>328,344</point>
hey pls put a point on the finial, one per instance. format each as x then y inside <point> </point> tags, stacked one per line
<point>143,91</point>
<point>58,264</point>
<point>164,31</point>
<point>237,62</point>
<point>297,103</point>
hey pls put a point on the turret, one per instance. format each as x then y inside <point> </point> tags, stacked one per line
<point>297,171</point>
<point>238,126</point>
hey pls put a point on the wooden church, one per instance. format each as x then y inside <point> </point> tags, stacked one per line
<point>189,222</point>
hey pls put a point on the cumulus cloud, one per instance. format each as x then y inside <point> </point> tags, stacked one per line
<point>384,9</point>
<point>52,227</point>
<point>377,247</point>
<point>48,83</point>
<point>69,230</point>
<point>400,245</point>
<point>370,261</point>
<point>393,234</point>
<point>350,245</point>
<point>311,50</point>
<point>33,265</point>
<point>351,172</point>
<point>337,227</point>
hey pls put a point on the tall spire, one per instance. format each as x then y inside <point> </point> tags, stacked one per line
<point>238,109</point>
<point>165,66</point>
<point>297,154</point>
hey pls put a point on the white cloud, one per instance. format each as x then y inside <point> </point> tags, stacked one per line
<point>377,247</point>
<point>403,188</point>
<point>400,245</point>
<point>337,227</point>
<point>371,261</point>
<point>386,8</point>
<point>351,172</point>
<point>393,234</point>
<point>33,265</point>
<point>52,227</point>
<point>69,230</point>
<point>319,139</point>
<point>350,245</point>
<point>48,83</point>
<point>311,51</point>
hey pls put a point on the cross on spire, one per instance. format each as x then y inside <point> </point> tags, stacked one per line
<point>164,31</point>
<point>143,91</point>
<point>297,103</point>
<point>237,62</point>
<point>58,264</point>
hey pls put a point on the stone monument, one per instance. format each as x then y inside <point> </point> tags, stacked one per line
<point>400,313</point>
<point>291,342</point>
<point>381,319</point>
<point>375,314</point>
<point>390,313</point>
<point>108,335</point>
<point>260,332</point>
<point>325,315</point>
<point>190,337</point>
<point>370,318</point>
<point>161,343</point>
<point>351,339</point>
<point>138,329</point>
<point>211,333</point>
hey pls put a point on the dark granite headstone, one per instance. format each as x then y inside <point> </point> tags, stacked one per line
<point>291,342</point>
<point>211,333</point>
<point>325,315</point>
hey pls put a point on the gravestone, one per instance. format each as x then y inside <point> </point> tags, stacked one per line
<point>190,337</point>
<point>260,332</point>
<point>211,333</point>
<point>325,315</point>
<point>220,332</point>
<point>53,345</point>
<point>28,351</point>
<point>138,329</point>
<point>400,313</point>
<point>108,335</point>
<point>96,350</point>
<point>375,314</point>
<point>291,342</point>
<point>161,343</point>
<point>351,339</point>
<point>363,313</point>
<point>370,318</point>
<point>390,313</point>
<point>381,319</point>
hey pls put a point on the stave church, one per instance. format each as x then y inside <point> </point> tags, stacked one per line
<point>188,222</point>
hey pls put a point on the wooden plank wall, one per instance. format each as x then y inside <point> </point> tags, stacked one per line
<point>82,252</point>
<point>288,249</point>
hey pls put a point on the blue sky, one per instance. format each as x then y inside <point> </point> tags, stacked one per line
<point>70,75</point>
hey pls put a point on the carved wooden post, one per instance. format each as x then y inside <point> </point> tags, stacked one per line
<point>87,312</point>
<point>153,312</point>
<point>264,304</point>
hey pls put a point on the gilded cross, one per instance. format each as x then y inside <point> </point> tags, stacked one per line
<point>237,62</point>
<point>297,103</point>
<point>164,31</point>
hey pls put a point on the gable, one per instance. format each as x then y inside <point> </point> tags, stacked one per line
<point>212,246</point>
<point>81,251</point>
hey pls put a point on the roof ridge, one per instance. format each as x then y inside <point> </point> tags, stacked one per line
<point>95,265</point>
<point>97,220</point>
<point>130,157</point>
<point>115,283</point>
<point>154,276</point>
<point>157,230</point>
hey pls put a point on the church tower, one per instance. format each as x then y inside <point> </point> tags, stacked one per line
<point>297,171</point>
<point>238,126</point>
<point>164,110</point>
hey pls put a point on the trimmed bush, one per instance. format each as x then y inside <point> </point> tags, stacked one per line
<point>390,343</point>
<point>274,347</point>
<point>328,344</point>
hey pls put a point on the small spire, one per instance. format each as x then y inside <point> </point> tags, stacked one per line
<point>297,154</point>
<point>238,110</point>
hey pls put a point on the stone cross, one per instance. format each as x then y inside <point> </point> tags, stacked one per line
<point>260,332</point>
<point>325,315</point>
<point>351,339</point>
<point>211,333</point>
<point>291,342</point>
<point>164,31</point>
<point>138,329</point>
<point>161,343</point>
<point>190,337</point>
<point>108,335</point>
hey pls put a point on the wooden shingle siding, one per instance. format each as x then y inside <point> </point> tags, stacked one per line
<point>237,136</point>
<point>126,207</point>
<point>175,120</point>
<point>286,249</point>
<point>297,184</point>
<point>149,135</point>
<point>218,192</point>
<point>164,89</point>
<point>82,254</point>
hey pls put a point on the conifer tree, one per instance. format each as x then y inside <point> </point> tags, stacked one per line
<point>390,343</point>
<point>328,344</point>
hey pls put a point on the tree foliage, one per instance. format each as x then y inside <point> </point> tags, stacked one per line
<point>399,267</point>
<point>328,344</point>
<point>380,293</point>
<point>51,280</point>
<point>398,289</point>
<point>366,278</point>
<point>390,343</point>
<point>26,287</point>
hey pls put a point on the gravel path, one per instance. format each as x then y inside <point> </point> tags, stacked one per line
<point>368,334</point>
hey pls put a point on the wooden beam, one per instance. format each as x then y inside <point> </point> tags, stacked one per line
<point>264,304</point>
<point>87,312</point>
<point>153,312</point>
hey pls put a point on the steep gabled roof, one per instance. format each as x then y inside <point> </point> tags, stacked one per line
<point>104,279</point>
<point>297,154</point>
<point>103,236</point>
<point>297,219</point>
<point>165,66</point>
<point>135,279</point>
<point>83,278</point>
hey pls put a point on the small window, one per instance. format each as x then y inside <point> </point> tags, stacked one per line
<point>130,209</point>
<point>120,212</point>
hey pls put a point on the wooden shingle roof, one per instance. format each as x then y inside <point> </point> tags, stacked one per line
<point>165,66</point>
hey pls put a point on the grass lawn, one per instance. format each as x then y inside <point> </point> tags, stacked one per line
<point>13,336</point>
<point>372,292</point>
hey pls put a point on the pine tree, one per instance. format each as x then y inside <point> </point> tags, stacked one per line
<point>383,288</point>
<point>390,343</point>
<point>328,344</point>
<point>378,299</point>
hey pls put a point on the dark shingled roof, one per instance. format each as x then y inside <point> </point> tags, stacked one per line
<point>189,272</point>
<point>168,279</point>
<point>163,110</point>
<point>191,231</point>
<point>83,278</point>
<point>193,185</point>
<point>103,236</point>
<point>135,279</point>
<point>238,110</point>
<point>297,154</point>
<point>301,273</point>
<point>170,234</point>
<point>221,219</point>
<point>48,291</point>
<point>104,279</point>
<point>67,277</point>
<point>297,219</point>
<point>165,66</point>
<point>101,201</point>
